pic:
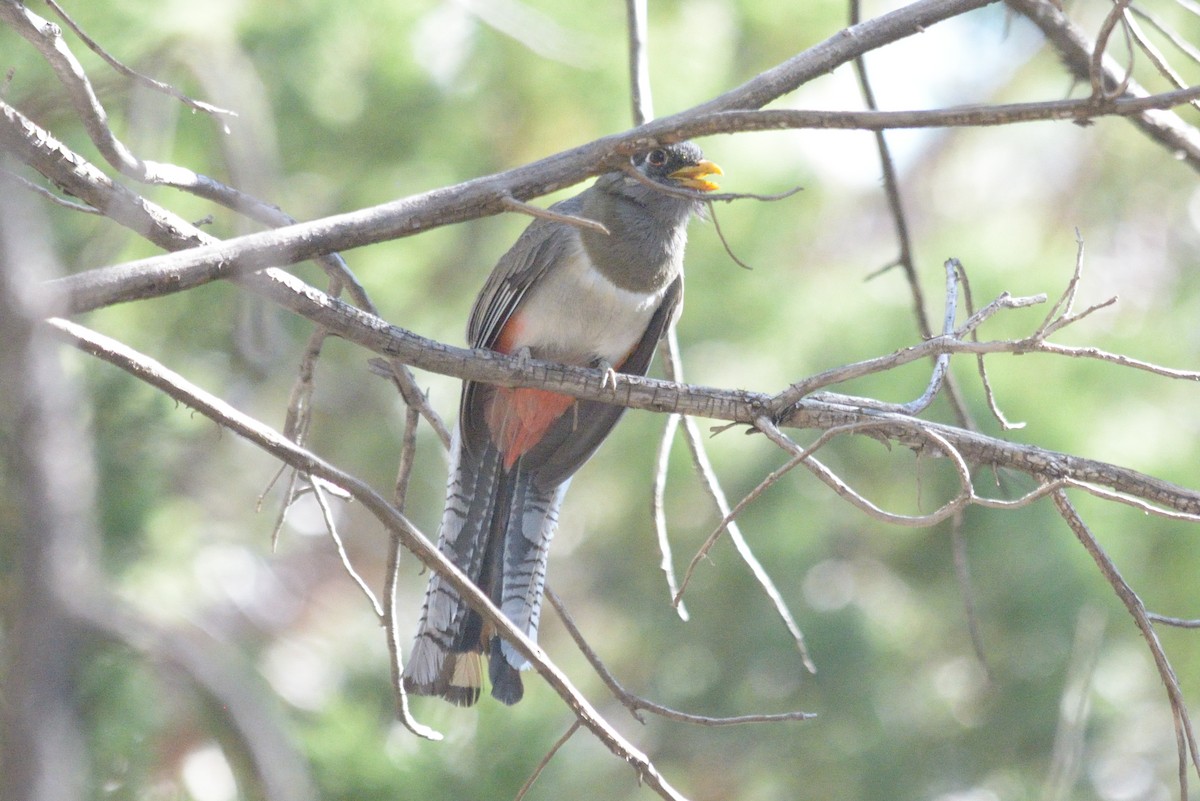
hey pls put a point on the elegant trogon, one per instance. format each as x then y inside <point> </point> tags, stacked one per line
<point>567,294</point>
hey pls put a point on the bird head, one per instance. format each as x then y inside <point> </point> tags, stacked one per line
<point>680,165</point>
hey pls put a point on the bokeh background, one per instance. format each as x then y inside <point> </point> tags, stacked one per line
<point>347,105</point>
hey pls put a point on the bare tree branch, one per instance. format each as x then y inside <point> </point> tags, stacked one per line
<point>1074,46</point>
<point>43,755</point>
<point>1183,724</point>
<point>217,410</point>
<point>738,406</point>
<point>639,63</point>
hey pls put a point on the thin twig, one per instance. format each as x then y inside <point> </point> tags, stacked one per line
<point>717,494</point>
<point>1170,34</point>
<point>290,493</point>
<point>391,582</point>
<point>1067,756</point>
<point>512,204</point>
<point>659,513</point>
<point>1178,622</point>
<point>766,483</point>
<point>962,572</point>
<point>972,328</point>
<point>1116,15</point>
<point>941,362</point>
<point>635,703</point>
<point>891,186</point>
<point>1183,726</point>
<point>25,183</point>
<point>712,484</point>
<point>1153,53</point>
<point>145,80</point>
<point>331,527</point>
<point>637,27</point>
<point>712,215</point>
<point>537,771</point>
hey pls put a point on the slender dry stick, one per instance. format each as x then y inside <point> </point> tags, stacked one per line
<point>1115,17</point>
<point>835,482</point>
<point>408,449</point>
<point>1179,622</point>
<point>635,703</point>
<point>129,72</point>
<point>700,456</point>
<point>1185,735</point>
<point>347,565</point>
<point>537,771</point>
<point>1065,305</point>
<point>1152,52</point>
<point>962,573</point>
<point>1170,34</point>
<point>512,204</point>
<point>640,96</point>
<point>7,177</point>
<point>941,363</point>
<point>954,275</point>
<point>980,366</point>
<point>769,481</point>
<point>658,511</point>
<point>298,418</point>
<point>305,462</point>
<point>891,186</point>
<point>712,484</point>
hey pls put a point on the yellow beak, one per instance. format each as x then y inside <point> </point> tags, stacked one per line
<point>693,176</point>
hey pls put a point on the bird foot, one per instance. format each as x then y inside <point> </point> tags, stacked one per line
<point>610,375</point>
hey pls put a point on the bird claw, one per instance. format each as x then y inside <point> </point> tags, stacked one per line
<point>610,375</point>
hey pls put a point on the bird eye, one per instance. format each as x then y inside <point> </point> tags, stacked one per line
<point>657,158</point>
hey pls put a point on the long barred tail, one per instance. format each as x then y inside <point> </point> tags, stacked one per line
<point>529,526</point>
<point>496,528</point>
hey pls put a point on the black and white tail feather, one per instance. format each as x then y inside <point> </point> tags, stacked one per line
<point>497,528</point>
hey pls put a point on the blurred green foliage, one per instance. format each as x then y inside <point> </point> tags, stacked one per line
<point>343,106</point>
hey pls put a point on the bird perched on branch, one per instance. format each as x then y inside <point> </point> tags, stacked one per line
<point>568,293</point>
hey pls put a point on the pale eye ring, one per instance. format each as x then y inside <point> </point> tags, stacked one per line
<point>657,158</point>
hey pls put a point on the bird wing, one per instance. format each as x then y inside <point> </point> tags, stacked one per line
<point>542,244</point>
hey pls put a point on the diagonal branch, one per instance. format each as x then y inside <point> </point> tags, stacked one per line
<point>305,462</point>
<point>1185,734</point>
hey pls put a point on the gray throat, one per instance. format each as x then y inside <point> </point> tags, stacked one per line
<point>643,251</point>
